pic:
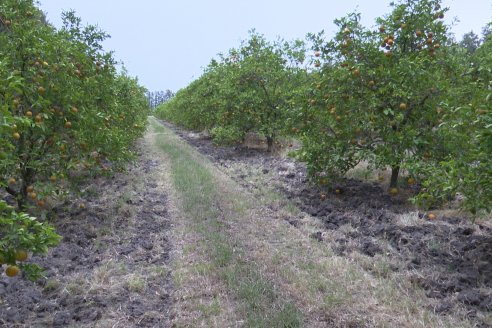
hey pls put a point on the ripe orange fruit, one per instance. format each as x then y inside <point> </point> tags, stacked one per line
<point>11,181</point>
<point>16,135</point>
<point>33,195</point>
<point>431,216</point>
<point>74,110</point>
<point>403,106</point>
<point>82,206</point>
<point>68,124</point>
<point>40,203</point>
<point>21,255</point>
<point>29,113</point>
<point>30,189</point>
<point>41,90</point>
<point>12,271</point>
<point>39,118</point>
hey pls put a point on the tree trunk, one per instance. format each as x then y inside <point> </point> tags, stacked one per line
<point>395,171</point>
<point>270,140</point>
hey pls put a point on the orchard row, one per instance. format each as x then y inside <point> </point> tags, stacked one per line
<point>402,96</point>
<point>65,113</point>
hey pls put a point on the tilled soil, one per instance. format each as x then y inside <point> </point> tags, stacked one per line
<point>111,268</point>
<point>450,257</point>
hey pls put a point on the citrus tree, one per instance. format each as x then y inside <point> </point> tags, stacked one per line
<point>378,92</point>
<point>64,111</point>
<point>258,86</point>
<point>467,136</point>
<point>60,88</point>
<point>249,89</point>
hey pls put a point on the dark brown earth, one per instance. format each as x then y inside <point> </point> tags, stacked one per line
<point>110,270</point>
<point>450,257</point>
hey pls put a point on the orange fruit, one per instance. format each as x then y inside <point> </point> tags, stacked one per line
<point>21,255</point>
<point>12,271</point>
<point>431,216</point>
<point>393,191</point>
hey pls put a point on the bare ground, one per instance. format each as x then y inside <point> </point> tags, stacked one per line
<point>112,268</point>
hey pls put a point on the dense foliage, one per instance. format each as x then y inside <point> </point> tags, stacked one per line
<point>402,96</point>
<point>250,89</point>
<point>64,110</point>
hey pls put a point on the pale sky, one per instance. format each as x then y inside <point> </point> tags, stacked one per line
<point>166,44</point>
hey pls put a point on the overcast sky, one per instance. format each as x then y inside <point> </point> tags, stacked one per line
<point>166,44</point>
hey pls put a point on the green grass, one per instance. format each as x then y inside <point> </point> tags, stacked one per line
<point>200,200</point>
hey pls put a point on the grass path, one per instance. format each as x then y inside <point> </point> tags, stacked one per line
<point>240,264</point>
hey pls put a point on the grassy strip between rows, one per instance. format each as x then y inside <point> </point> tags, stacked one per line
<point>199,195</point>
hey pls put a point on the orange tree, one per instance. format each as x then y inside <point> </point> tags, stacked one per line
<point>63,110</point>
<point>467,135</point>
<point>258,85</point>
<point>193,107</point>
<point>377,92</point>
<point>63,105</point>
<point>249,89</point>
